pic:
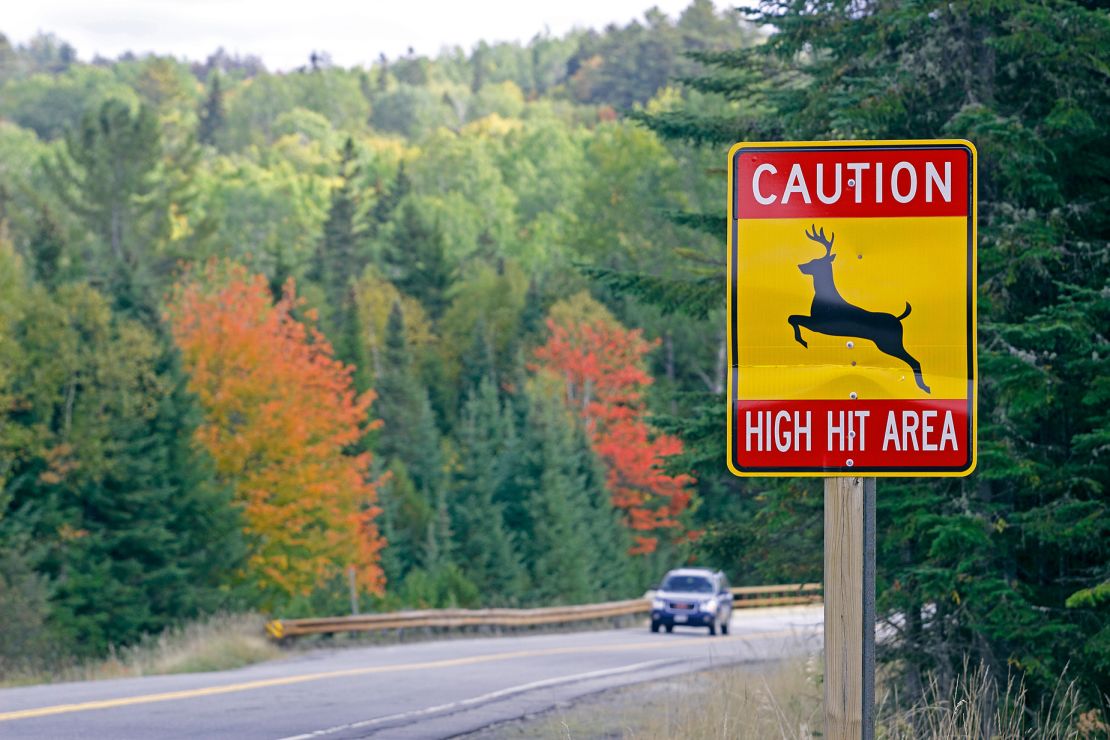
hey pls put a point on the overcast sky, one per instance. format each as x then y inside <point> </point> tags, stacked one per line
<point>283,33</point>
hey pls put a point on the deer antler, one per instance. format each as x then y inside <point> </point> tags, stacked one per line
<point>821,239</point>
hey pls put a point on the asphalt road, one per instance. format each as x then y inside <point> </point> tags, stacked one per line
<point>421,690</point>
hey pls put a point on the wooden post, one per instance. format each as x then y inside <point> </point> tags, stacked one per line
<point>850,608</point>
<point>353,588</point>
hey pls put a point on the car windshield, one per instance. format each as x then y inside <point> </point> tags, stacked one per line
<point>690,584</point>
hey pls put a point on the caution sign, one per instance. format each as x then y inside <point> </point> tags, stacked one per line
<point>851,302</point>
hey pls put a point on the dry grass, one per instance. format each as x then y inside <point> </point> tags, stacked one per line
<point>978,707</point>
<point>785,701</point>
<point>217,643</point>
<point>751,701</point>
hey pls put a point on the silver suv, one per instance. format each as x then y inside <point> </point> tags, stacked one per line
<point>692,597</point>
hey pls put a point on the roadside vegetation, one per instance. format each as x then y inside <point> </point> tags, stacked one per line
<point>216,643</point>
<point>784,700</point>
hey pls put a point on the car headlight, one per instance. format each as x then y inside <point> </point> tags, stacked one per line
<point>709,606</point>
<point>658,604</point>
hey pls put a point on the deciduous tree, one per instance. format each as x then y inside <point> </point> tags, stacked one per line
<point>602,365</point>
<point>280,415</point>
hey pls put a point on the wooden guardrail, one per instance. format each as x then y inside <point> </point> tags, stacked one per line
<point>744,597</point>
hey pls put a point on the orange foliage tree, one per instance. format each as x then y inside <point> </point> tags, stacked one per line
<point>280,417</point>
<point>603,368</point>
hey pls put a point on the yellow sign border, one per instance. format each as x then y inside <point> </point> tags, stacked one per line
<point>973,281</point>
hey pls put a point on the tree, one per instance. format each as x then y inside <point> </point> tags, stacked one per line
<point>415,260</point>
<point>601,364</point>
<point>47,248</point>
<point>484,546</point>
<point>388,199</point>
<point>212,115</point>
<point>280,415</point>
<point>408,431</point>
<point>102,493</point>
<point>111,174</point>
<point>339,260</point>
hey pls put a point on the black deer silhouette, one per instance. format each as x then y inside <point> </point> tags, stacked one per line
<point>832,315</point>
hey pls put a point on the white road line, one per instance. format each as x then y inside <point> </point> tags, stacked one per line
<point>492,696</point>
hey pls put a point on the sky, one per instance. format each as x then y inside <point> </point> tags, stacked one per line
<point>283,33</point>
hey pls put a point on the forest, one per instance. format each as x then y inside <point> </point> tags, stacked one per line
<point>455,325</point>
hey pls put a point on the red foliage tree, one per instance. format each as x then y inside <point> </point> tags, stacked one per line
<point>602,364</point>
<point>280,415</point>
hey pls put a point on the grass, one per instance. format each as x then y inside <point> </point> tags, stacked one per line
<point>977,706</point>
<point>784,700</point>
<point>217,643</point>
<point>744,702</point>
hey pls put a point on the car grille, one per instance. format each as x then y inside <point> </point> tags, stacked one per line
<point>682,605</point>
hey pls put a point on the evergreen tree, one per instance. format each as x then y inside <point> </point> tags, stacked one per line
<point>484,546</point>
<point>159,537</point>
<point>618,574</point>
<point>389,199</point>
<point>416,261</point>
<point>47,247</point>
<point>478,361</point>
<point>406,516</point>
<point>339,259</point>
<point>116,507</point>
<point>409,432</point>
<point>211,117</point>
<point>558,548</point>
<point>111,175</point>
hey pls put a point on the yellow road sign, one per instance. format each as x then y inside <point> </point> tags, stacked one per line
<point>851,304</point>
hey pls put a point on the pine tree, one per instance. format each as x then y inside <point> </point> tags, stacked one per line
<point>406,516</point>
<point>415,258</point>
<point>47,248</point>
<point>409,435</point>
<point>160,537</point>
<point>558,547</point>
<point>110,173</point>
<point>211,116</point>
<point>478,362</point>
<point>114,504</point>
<point>389,199</point>
<point>340,258</point>
<point>484,547</point>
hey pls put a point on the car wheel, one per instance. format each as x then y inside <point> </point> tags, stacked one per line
<point>670,628</point>
<point>654,626</point>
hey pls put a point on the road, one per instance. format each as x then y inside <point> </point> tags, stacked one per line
<point>419,690</point>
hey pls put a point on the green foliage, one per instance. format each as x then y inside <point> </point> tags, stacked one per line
<point>212,116</point>
<point>416,261</point>
<point>485,548</point>
<point>104,496</point>
<point>112,175</point>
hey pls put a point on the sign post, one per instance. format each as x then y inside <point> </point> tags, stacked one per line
<point>851,343</point>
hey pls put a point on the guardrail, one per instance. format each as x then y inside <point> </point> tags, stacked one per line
<point>783,594</point>
<point>744,597</point>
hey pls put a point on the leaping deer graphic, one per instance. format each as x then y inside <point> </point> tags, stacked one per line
<point>832,315</point>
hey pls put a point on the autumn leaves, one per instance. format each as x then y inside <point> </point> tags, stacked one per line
<point>280,420</point>
<point>287,430</point>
